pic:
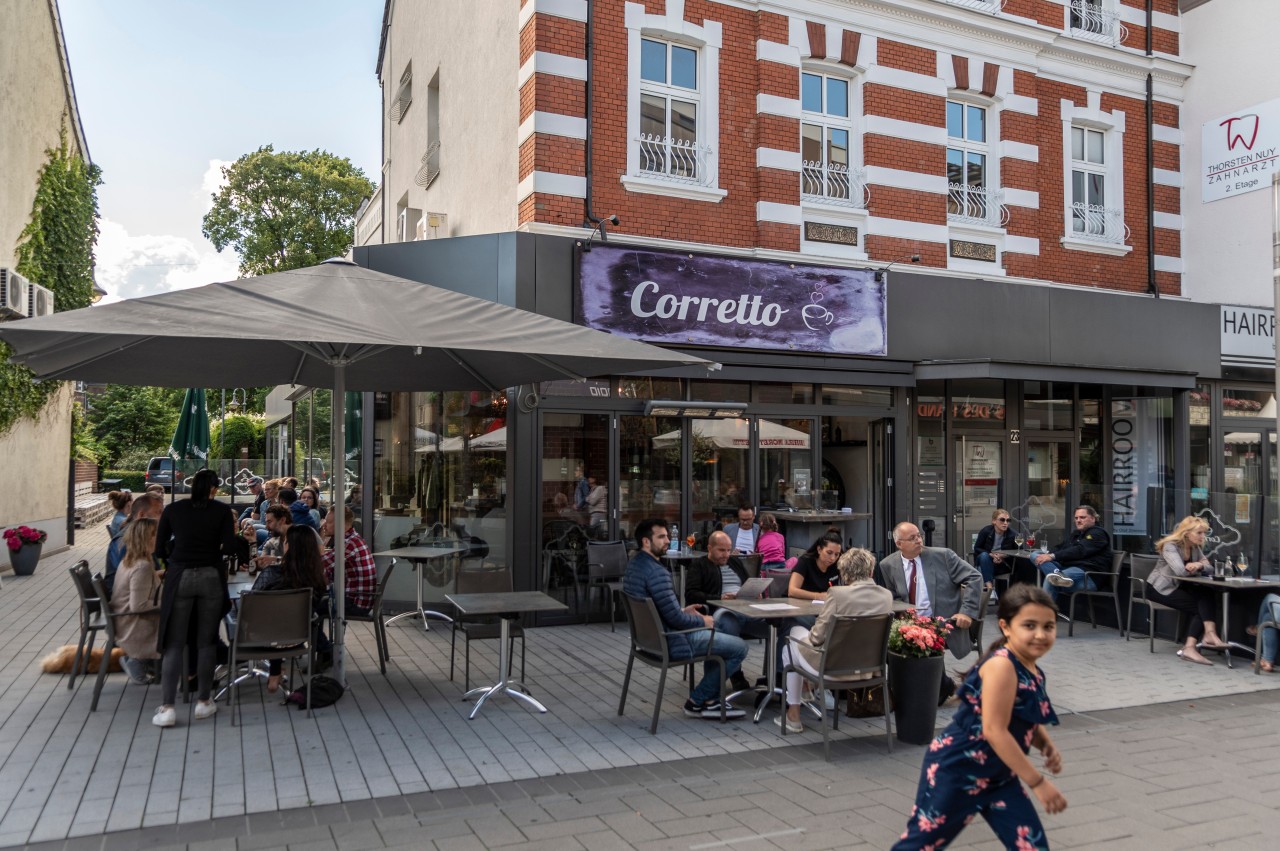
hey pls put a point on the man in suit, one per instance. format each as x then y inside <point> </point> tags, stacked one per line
<point>938,583</point>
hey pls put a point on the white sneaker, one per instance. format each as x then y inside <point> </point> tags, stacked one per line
<point>205,709</point>
<point>165,717</point>
<point>1057,580</point>
<point>792,726</point>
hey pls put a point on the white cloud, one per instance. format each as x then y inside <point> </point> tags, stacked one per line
<point>212,181</point>
<point>132,266</point>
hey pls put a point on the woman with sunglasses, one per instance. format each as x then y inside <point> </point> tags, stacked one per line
<point>986,549</point>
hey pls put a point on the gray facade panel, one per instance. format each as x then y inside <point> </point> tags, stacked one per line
<point>464,264</point>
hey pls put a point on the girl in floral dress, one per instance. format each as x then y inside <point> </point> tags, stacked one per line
<point>975,765</point>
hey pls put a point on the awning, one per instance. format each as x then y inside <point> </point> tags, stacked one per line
<point>1066,373</point>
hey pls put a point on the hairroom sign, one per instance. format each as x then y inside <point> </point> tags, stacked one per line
<point>684,299</point>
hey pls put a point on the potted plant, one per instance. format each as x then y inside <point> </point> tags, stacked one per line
<point>916,668</point>
<point>24,543</point>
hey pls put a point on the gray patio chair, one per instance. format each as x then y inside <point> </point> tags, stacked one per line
<point>1273,622</point>
<point>1140,567</point>
<point>91,617</point>
<point>109,632</point>
<point>1112,578</point>
<point>606,562</point>
<point>375,619</point>
<point>751,564</point>
<point>855,647</point>
<point>485,580</point>
<point>271,625</point>
<point>649,644</point>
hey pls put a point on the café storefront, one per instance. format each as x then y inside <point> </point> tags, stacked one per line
<point>846,396</point>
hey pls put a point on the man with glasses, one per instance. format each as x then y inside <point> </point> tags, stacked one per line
<point>1088,549</point>
<point>986,549</point>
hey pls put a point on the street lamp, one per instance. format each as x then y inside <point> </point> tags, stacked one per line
<point>238,399</point>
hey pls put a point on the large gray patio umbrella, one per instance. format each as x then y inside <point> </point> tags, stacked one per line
<point>333,325</point>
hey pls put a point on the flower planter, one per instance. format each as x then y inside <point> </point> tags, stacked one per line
<point>24,559</point>
<point>914,685</point>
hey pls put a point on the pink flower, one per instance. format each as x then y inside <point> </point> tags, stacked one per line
<point>978,756</point>
<point>928,825</point>
<point>931,774</point>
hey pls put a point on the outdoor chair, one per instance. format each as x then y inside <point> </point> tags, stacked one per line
<point>751,564</point>
<point>1112,578</point>
<point>92,620</point>
<point>271,625</point>
<point>1140,567</point>
<point>109,631</point>
<point>375,619</point>
<point>606,562</point>
<point>975,628</point>
<point>781,582</point>
<point>649,644</point>
<point>486,580</point>
<point>1272,622</point>
<point>855,647</point>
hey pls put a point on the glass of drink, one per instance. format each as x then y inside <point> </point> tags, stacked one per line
<point>1018,539</point>
<point>1031,542</point>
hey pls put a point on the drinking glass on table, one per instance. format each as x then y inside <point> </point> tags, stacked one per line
<point>1018,538</point>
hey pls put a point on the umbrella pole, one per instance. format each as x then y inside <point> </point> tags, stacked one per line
<point>337,448</point>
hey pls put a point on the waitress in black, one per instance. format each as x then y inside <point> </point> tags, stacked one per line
<point>815,571</point>
<point>191,540</point>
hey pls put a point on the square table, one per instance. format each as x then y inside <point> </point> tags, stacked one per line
<point>679,561</point>
<point>773,610</point>
<point>506,605</point>
<point>418,556</point>
<point>1022,555</point>
<point>1225,587</point>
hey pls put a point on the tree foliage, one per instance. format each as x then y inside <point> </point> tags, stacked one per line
<point>55,251</point>
<point>242,431</point>
<point>128,420</point>
<point>286,210</point>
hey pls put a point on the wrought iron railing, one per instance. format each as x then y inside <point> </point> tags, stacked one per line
<point>991,7</point>
<point>1098,224</point>
<point>430,168</point>
<point>834,183</point>
<point>1089,20</point>
<point>976,205</point>
<point>677,160</point>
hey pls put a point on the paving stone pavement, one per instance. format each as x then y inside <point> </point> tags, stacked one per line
<point>399,749</point>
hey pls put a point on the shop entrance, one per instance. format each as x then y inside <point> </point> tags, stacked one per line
<point>981,485</point>
<point>1245,504</point>
<point>1050,462</point>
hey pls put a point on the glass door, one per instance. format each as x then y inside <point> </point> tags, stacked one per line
<point>576,501</point>
<point>1051,492</point>
<point>721,453</point>
<point>650,465</point>
<point>980,486</point>
<point>786,464</point>
<point>1246,506</point>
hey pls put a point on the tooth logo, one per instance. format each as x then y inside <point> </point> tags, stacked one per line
<point>1234,136</point>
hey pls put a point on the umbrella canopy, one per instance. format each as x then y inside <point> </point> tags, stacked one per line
<point>191,437</point>
<point>733,434</point>
<point>494,441</point>
<point>333,325</point>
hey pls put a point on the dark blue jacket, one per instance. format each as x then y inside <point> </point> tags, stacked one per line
<point>645,577</point>
<point>987,543</point>
<point>1090,550</point>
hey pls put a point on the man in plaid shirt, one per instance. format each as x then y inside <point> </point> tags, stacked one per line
<point>361,574</point>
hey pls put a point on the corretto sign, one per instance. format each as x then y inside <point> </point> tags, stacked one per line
<point>1239,151</point>
<point>683,299</point>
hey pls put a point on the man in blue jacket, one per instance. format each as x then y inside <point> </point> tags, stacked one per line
<point>1088,550</point>
<point>646,577</point>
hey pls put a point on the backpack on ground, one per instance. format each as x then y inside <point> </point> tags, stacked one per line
<point>325,691</point>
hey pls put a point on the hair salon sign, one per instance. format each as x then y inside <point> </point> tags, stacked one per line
<point>1238,151</point>
<point>683,299</point>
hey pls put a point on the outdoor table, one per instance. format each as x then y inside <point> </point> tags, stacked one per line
<point>506,605</point>
<point>678,562</point>
<point>418,556</point>
<point>1022,555</point>
<point>1225,587</point>
<point>772,610</point>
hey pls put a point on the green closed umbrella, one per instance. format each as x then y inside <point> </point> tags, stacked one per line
<point>352,423</point>
<point>191,438</point>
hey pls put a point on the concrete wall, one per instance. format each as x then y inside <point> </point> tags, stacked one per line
<point>477,67</point>
<point>36,104</point>
<point>1227,243</point>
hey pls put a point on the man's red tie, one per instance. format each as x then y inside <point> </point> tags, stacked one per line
<point>911,582</point>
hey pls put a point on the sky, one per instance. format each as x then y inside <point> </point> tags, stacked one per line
<point>169,91</point>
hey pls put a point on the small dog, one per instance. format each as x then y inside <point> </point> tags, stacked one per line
<point>60,660</point>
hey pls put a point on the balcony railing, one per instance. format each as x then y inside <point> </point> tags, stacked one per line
<point>975,205</point>
<point>677,160</point>
<point>834,183</point>
<point>1098,224</point>
<point>1092,22</point>
<point>991,7</point>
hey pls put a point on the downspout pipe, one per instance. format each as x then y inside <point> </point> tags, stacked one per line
<point>1152,287</point>
<point>592,220</point>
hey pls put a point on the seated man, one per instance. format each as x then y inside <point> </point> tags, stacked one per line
<point>719,576</point>
<point>1088,549</point>
<point>279,519</point>
<point>745,533</point>
<point>646,577</point>
<point>360,576</point>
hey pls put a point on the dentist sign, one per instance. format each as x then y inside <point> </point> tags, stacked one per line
<point>1239,151</point>
<point>683,299</point>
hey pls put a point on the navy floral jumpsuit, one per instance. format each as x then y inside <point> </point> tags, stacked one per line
<point>962,777</point>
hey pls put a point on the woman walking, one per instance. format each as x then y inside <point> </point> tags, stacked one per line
<point>192,537</point>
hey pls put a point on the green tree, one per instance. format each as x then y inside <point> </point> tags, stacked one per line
<point>242,430</point>
<point>136,420</point>
<point>286,210</point>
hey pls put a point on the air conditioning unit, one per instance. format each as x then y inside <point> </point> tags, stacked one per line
<point>435,225</point>
<point>13,294</point>
<point>40,301</point>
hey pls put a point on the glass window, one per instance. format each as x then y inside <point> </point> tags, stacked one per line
<point>650,388</point>
<point>720,391</point>
<point>978,402</point>
<point>786,464</point>
<point>838,97</point>
<point>1089,216</point>
<point>650,461</point>
<point>1047,406</point>
<point>1237,402</point>
<point>835,394</point>
<point>684,67</point>
<point>653,60</point>
<point>721,455</point>
<point>824,140</point>
<point>576,503</point>
<point>967,174</point>
<point>930,421</point>
<point>779,393</point>
<point>669,111</point>
<point>1139,443</point>
<point>811,92</point>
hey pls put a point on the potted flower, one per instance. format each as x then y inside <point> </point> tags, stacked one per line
<point>916,668</point>
<point>24,543</point>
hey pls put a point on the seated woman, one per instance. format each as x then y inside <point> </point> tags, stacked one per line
<point>1181,554</point>
<point>1270,610</point>
<point>301,566</point>
<point>120,500</point>
<point>990,541</point>
<point>856,595</point>
<point>136,597</point>
<point>815,571</point>
<point>771,545</point>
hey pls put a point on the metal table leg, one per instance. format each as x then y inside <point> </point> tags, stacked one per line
<point>771,689</point>
<point>504,685</point>
<point>421,611</point>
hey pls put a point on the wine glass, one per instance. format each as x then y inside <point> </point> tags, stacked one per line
<point>1018,539</point>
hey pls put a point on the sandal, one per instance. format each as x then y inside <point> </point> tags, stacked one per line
<point>1266,666</point>
<point>1199,661</point>
<point>273,683</point>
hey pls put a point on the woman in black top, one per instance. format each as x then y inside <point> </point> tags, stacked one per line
<point>192,537</point>
<point>301,566</point>
<point>815,571</point>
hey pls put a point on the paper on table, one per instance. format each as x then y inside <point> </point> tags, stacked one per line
<point>818,602</point>
<point>771,607</point>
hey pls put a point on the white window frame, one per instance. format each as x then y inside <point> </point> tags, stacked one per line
<point>996,214</point>
<point>857,180</point>
<point>706,40</point>
<point>1112,125</point>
